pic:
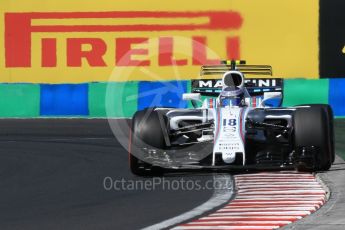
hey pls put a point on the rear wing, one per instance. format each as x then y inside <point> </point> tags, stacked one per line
<point>254,86</point>
<point>245,69</point>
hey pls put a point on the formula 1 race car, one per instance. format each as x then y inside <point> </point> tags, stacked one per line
<point>238,125</point>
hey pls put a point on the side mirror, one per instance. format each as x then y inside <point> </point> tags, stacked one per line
<point>191,96</point>
<point>269,96</point>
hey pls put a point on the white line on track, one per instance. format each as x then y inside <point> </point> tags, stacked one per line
<point>280,186</point>
<point>286,192</point>
<point>278,183</point>
<point>251,218</point>
<point>274,180</point>
<point>275,201</point>
<point>278,189</point>
<point>272,205</point>
<point>247,222</point>
<point>260,213</point>
<point>248,209</point>
<point>227,227</point>
<point>251,196</point>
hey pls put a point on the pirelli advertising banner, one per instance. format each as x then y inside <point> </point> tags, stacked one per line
<point>74,41</point>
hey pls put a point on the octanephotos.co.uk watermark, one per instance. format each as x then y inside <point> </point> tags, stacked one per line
<point>161,183</point>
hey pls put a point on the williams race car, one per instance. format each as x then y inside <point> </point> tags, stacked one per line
<point>238,125</point>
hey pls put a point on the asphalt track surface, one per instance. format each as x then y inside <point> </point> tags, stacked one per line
<point>52,176</point>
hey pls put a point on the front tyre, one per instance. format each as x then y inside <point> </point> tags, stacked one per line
<point>146,131</point>
<point>312,141</point>
<point>329,113</point>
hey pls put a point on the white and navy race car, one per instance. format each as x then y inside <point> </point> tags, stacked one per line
<point>238,125</point>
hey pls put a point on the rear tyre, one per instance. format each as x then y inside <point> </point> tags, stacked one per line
<point>146,131</point>
<point>311,133</point>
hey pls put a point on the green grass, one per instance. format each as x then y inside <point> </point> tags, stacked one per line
<point>339,131</point>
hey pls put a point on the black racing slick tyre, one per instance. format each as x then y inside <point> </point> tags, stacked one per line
<point>146,131</point>
<point>311,133</point>
<point>329,113</point>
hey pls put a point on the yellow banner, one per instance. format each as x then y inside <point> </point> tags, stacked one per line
<point>73,41</point>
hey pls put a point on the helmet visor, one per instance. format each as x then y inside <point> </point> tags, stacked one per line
<point>230,101</point>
